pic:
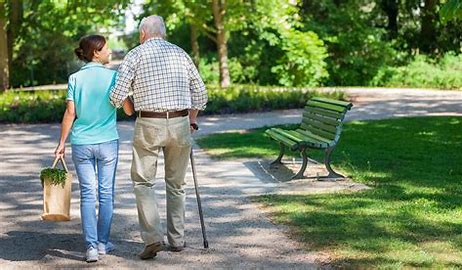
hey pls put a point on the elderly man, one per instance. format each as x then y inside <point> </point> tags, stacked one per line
<point>167,93</point>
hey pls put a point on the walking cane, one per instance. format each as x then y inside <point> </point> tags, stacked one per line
<point>199,205</point>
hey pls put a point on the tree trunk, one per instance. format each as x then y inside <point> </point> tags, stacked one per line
<point>219,9</point>
<point>428,31</point>
<point>390,7</point>
<point>4,68</point>
<point>15,20</point>
<point>195,45</point>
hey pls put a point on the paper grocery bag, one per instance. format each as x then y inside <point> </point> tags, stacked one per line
<point>57,198</point>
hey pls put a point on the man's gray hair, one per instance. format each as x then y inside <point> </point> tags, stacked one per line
<point>153,26</point>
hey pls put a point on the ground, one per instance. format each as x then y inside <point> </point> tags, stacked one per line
<point>240,234</point>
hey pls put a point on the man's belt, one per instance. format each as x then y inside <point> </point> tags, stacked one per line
<point>162,114</point>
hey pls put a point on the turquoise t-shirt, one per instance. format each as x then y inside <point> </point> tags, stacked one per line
<point>90,88</point>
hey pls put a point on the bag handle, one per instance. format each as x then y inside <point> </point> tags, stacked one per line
<point>63,162</point>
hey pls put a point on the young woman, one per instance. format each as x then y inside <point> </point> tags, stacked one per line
<point>91,120</point>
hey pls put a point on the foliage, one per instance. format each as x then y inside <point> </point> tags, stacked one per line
<point>423,72</point>
<point>303,61</point>
<point>451,9</point>
<point>251,98</point>
<point>48,32</point>
<point>32,107</point>
<point>356,49</point>
<point>271,42</point>
<point>262,29</point>
<point>49,106</point>
<point>54,176</point>
<point>411,217</point>
<point>209,70</point>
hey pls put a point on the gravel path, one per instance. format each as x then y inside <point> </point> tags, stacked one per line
<point>240,233</point>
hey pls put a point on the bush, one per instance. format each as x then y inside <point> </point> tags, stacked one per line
<point>32,107</point>
<point>253,98</point>
<point>303,61</point>
<point>49,106</point>
<point>423,72</point>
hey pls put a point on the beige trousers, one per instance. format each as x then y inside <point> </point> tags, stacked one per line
<point>173,137</point>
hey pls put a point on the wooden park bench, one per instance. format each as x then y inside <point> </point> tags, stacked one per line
<point>320,129</point>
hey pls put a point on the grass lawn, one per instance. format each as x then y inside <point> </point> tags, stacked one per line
<point>412,217</point>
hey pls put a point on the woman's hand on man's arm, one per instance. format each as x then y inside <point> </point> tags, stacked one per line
<point>128,107</point>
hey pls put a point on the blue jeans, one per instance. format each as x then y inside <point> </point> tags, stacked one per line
<point>100,159</point>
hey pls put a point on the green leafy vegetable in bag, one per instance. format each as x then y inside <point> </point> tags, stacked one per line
<point>55,175</point>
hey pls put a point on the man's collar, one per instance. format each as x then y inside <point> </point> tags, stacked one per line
<point>153,38</point>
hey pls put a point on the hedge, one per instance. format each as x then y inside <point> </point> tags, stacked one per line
<point>48,106</point>
<point>423,72</point>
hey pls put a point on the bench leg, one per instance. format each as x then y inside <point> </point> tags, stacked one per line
<point>332,173</point>
<point>281,154</point>
<point>300,173</point>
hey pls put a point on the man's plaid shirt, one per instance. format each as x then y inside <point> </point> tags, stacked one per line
<point>162,77</point>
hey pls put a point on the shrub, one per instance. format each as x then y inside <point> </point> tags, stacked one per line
<point>32,107</point>
<point>303,61</point>
<point>253,98</point>
<point>49,106</point>
<point>423,72</point>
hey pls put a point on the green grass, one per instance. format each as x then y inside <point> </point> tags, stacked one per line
<point>412,217</point>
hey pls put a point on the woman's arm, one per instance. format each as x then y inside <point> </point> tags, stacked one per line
<point>129,109</point>
<point>66,125</point>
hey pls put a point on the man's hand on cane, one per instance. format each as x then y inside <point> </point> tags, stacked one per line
<point>193,120</point>
<point>193,127</point>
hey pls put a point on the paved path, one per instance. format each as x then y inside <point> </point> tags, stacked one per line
<point>240,234</point>
<point>368,104</point>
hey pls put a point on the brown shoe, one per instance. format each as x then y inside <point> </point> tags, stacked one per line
<point>150,251</point>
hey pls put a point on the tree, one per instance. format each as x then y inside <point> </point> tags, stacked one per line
<point>15,16</point>
<point>4,67</point>
<point>219,12</point>
<point>429,18</point>
<point>391,8</point>
<point>42,35</point>
<point>215,19</point>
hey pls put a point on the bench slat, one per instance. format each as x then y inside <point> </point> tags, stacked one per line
<point>319,111</point>
<point>328,128</point>
<point>326,120</point>
<point>317,131</point>
<point>314,136</point>
<point>309,139</point>
<point>286,133</point>
<point>281,138</point>
<point>326,106</point>
<point>345,104</point>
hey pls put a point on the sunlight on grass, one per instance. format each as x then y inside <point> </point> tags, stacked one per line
<point>412,217</point>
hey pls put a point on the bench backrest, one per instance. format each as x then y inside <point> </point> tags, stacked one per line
<point>324,117</point>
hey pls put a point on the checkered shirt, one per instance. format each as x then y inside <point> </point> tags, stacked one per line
<point>162,77</point>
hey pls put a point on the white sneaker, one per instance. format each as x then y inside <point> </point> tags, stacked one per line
<point>104,249</point>
<point>91,255</point>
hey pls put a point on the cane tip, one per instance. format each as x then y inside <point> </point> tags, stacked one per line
<point>206,244</point>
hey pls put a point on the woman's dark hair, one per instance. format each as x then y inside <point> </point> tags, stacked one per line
<point>88,45</point>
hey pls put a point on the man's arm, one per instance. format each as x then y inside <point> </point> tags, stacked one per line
<point>198,92</point>
<point>124,80</point>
